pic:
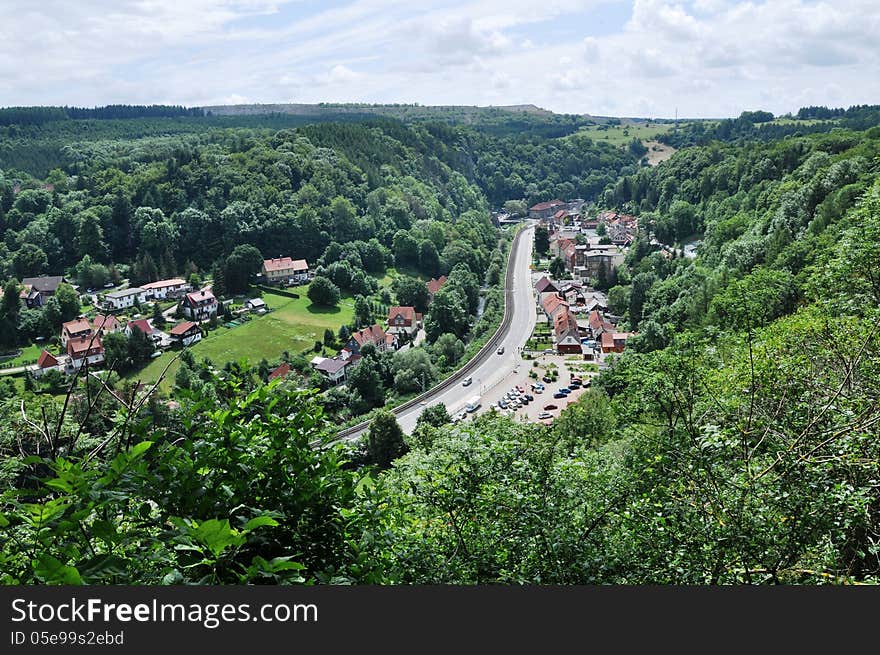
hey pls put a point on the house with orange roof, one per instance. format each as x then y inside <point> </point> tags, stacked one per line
<point>78,327</point>
<point>285,270</point>
<point>403,320</point>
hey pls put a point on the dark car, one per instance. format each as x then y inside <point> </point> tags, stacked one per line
<point>547,408</point>
<point>547,379</point>
<point>574,384</point>
<point>529,397</point>
<point>559,394</point>
<point>565,390</point>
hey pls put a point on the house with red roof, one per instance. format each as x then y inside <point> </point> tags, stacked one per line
<point>566,332</point>
<point>81,351</point>
<point>598,324</point>
<point>403,320</point>
<point>544,288</point>
<point>285,270</point>
<point>434,286</point>
<point>280,372</point>
<point>186,333</point>
<point>199,305</point>
<point>78,327</point>
<point>615,342</point>
<point>48,362</point>
<point>141,324</point>
<point>544,210</point>
<point>553,305</point>
<point>105,323</point>
<point>374,335</point>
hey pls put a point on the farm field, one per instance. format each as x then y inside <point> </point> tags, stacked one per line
<point>621,135</point>
<point>293,325</point>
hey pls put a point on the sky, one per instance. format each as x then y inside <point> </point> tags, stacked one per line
<point>647,58</point>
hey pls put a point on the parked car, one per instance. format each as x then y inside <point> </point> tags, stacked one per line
<point>467,381</point>
<point>520,388</point>
<point>544,415</point>
<point>547,379</point>
<point>549,407</point>
<point>559,394</point>
<point>502,403</point>
<point>529,397</point>
<point>539,389</point>
<point>564,390</point>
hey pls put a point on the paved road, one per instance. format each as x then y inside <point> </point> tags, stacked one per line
<point>497,368</point>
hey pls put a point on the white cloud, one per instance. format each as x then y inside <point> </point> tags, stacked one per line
<point>707,57</point>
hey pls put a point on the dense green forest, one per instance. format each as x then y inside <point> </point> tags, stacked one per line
<point>735,441</point>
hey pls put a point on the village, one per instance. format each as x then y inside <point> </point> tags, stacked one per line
<point>574,332</point>
<point>188,313</point>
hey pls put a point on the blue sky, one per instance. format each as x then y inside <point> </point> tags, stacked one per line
<point>705,58</point>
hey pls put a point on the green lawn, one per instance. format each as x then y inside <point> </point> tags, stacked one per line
<point>621,135</point>
<point>293,325</point>
<point>28,354</point>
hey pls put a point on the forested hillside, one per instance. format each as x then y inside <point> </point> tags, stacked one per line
<point>735,441</point>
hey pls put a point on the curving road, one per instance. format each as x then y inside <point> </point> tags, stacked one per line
<point>487,368</point>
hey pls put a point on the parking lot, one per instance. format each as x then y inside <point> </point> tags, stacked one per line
<point>565,367</point>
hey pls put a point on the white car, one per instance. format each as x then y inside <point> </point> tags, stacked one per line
<point>467,381</point>
<point>544,415</point>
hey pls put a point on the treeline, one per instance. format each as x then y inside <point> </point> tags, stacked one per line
<point>41,115</point>
<point>765,214</point>
<point>759,126</point>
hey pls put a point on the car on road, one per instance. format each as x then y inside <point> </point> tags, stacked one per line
<point>544,415</point>
<point>549,407</point>
<point>467,381</point>
<point>500,351</point>
<point>559,394</point>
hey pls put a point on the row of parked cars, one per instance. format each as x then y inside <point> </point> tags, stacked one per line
<point>513,400</point>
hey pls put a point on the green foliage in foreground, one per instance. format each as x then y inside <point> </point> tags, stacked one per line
<point>231,494</point>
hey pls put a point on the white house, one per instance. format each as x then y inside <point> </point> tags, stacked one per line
<point>124,298</point>
<point>200,305</point>
<point>186,333</point>
<point>163,289</point>
<point>84,349</point>
<point>285,270</point>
